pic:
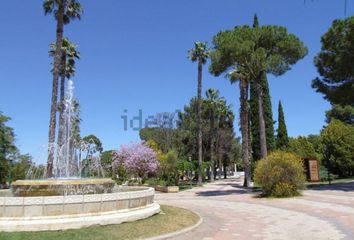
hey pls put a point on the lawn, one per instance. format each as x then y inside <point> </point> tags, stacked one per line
<point>334,181</point>
<point>169,220</point>
<point>310,185</point>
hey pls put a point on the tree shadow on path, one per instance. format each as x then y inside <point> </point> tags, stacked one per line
<point>346,187</point>
<point>237,190</point>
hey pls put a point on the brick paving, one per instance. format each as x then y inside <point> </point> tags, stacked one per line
<point>230,211</point>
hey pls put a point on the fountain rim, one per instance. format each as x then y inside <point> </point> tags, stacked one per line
<point>48,213</point>
<point>63,181</point>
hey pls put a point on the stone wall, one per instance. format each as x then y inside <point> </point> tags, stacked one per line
<point>19,207</point>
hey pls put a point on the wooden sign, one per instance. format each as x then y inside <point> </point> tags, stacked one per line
<point>313,170</point>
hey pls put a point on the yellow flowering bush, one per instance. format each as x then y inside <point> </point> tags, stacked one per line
<point>281,174</point>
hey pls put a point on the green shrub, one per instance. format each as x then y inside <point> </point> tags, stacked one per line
<point>151,181</point>
<point>338,148</point>
<point>168,171</point>
<point>281,174</point>
<point>164,183</point>
<point>324,174</point>
<point>183,167</point>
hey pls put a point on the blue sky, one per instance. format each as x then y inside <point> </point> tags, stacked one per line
<point>134,56</point>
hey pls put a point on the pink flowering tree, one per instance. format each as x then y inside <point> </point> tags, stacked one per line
<point>137,158</point>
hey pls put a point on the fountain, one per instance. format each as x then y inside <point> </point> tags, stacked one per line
<point>67,167</point>
<point>70,201</point>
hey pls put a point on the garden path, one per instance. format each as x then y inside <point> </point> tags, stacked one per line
<point>230,211</point>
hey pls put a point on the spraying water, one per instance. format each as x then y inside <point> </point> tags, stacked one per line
<point>75,158</point>
<point>66,164</point>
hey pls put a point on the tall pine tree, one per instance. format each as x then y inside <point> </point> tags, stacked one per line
<point>268,114</point>
<point>282,136</point>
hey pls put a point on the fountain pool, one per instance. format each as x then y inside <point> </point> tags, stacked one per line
<point>60,212</point>
<point>69,201</point>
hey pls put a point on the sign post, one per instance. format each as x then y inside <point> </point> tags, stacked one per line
<point>311,169</point>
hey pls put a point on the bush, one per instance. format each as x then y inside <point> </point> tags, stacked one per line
<point>338,148</point>
<point>151,181</point>
<point>168,171</point>
<point>284,190</point>
<point>324,174</point>
<point>281,174</point>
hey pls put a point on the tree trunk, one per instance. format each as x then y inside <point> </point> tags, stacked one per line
<point>200,157</point>
<point>244,130</point>
<point>225,172</point>
<point>249,136</point>
<point>220,165</point>
<point>212,142</point>
<point>262,130</point>
<point>62,104</point>
<point>53,108</point>
<point>3,172</point>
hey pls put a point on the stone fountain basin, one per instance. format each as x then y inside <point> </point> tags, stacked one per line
<point>60,187</point>
<point>43,213</point>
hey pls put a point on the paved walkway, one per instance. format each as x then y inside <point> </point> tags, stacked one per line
<point>230,211</point>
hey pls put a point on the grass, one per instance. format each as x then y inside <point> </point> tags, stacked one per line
<point>334,181</point>
<point>257,188</point>
<point>169,220</point>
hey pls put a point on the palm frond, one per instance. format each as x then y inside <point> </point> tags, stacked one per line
<point>199,52</point>
<point>48,6</point>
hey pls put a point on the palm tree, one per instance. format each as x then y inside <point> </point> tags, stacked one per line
<point>64,11</point>
<point>223,62</point>
<point>212,96</point>
<point>214,103</point>
<point>244,81</point>
<point>69,55</point>
<point>224,124</point>
<point>234,74</point>
<point>199,53</point>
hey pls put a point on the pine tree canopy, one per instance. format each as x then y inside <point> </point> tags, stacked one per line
<point>335,63</point>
